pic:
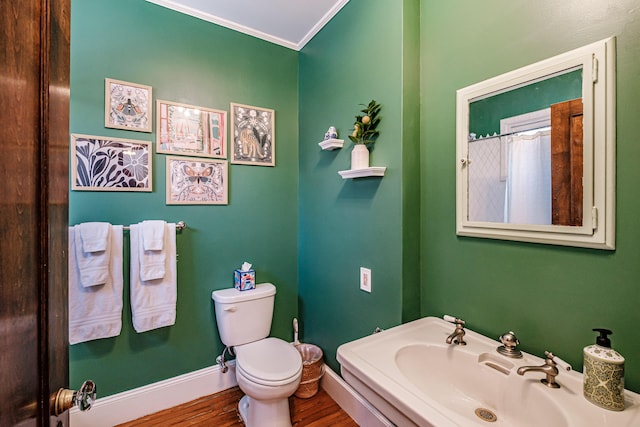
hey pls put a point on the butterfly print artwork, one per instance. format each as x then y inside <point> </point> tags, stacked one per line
<point>196,181</point>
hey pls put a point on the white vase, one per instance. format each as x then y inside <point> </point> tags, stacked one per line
<point>359,157</point>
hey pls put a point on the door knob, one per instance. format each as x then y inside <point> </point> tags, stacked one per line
<point>65,399</point>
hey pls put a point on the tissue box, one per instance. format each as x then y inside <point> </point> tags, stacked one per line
<point>244,280</point>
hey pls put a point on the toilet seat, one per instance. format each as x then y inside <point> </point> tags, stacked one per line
<point>270,361</point>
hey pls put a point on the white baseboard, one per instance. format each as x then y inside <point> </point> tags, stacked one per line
<point>136,403</point>
<point>132,404</point>
<point>361,411</point>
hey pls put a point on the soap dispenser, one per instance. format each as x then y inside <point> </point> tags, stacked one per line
<point>604,373</point>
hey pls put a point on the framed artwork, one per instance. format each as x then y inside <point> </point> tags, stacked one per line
<point>197,181</point>
<point>101,163</point>
<point>190,131</point>
<point>127,105</point>
<point>254,140</point>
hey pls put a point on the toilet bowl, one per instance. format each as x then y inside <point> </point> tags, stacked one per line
<point>268,372</point>
<point>268,369</point>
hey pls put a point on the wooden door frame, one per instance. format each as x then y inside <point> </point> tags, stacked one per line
<point>567,163</point>
<point>55,203</point>
<point>34,83</point>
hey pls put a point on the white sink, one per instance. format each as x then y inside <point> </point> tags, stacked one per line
<point>413,377</point>
<point>477,386</point>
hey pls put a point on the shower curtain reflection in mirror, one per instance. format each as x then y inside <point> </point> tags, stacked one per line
<point>528,186</point>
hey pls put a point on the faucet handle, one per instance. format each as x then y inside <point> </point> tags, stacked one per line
<point>453,319</point>
<point>550,368</point>
<point>559,362</point>
<point>457,336</point>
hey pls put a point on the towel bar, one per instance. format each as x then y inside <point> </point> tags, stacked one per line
<point>180,225</point>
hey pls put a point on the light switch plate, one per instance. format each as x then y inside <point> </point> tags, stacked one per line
<point>365,279</point>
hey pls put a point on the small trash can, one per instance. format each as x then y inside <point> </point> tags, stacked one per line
<point>312,370</point>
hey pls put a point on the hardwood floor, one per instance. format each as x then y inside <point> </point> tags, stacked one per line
<point>220,410</point>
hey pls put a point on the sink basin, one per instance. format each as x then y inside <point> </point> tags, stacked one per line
<point>414,378</point>
<point>479,387</point>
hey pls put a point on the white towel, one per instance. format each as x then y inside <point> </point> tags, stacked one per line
<point>95,312</point>
<point>153,234</point>
<point>94,236</point>
<point>152,261</point>
<point>153,302</point>
<point>93,265</point>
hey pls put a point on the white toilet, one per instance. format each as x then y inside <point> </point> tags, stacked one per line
<point>268,370</point>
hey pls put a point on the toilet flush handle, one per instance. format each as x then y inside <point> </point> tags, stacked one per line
<point>231,309</point>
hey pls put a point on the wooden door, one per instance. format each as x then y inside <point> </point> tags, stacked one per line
<point>34,113</point>
<point>566,163</point>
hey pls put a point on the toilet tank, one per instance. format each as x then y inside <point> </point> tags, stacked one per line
<point>244,316</point>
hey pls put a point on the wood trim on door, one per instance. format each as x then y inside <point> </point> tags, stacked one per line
<point>34,110</point>
<point>55,203</point>
<point>566,163</point>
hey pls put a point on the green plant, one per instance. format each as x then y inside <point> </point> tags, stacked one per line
<point>364,128</point>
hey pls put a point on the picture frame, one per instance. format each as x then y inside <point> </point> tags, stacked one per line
<point>128,106</point>
<point>197,181</point>
<point>253,135</point>
<point>100,163</point>
<point>188,130</point>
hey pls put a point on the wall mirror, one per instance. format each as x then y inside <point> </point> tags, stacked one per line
<point>536,152</point>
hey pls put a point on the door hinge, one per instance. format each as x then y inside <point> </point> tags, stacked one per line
<point>594,218</point>
<point>594,69</point>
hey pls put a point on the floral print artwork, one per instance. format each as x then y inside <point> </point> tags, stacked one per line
<point>110,164</point>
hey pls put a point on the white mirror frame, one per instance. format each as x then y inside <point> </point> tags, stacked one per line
<point>599,125</point>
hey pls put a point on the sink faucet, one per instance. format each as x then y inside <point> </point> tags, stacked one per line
<point>509,345</point>
<point>457,336</point>
<point>549,368</point>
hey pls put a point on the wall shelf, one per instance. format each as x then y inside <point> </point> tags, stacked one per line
<point>361,173</point>
<point>331,144</point>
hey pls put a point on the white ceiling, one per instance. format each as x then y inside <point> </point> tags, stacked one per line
<point>290,23</point>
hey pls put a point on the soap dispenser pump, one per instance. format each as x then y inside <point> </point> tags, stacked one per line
<point>603,373</point>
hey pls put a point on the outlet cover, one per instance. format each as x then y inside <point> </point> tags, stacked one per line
<point>365,279</point>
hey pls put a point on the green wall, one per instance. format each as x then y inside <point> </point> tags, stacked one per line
<point>346,224</point>
<point>485,114</point>
<point>551,296</point>
<point>190,61</point>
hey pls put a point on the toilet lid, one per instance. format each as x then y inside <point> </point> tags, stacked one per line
<point>269,361</point>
